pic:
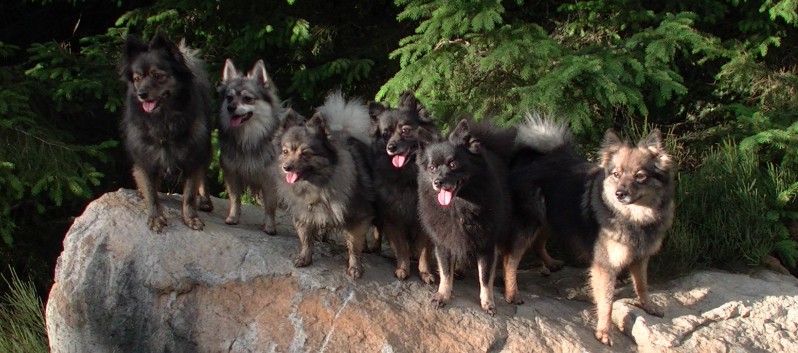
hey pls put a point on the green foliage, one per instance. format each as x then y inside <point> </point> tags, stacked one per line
<point>729,212</point>
<point>21,319</point>
<point>40,164</point>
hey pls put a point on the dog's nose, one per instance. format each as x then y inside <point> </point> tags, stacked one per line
<point>142,94</point>
<point>437,183</point>
<point>231,108</point>
<point>288,168</point>
<point>621,194</point>
<point>391,148</point>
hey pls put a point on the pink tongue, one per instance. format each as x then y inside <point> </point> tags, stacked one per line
<point>399,160</point>
<point>444,197</point>
<point>148,106</point>
<point>236,121</point>
<point>291,177</point>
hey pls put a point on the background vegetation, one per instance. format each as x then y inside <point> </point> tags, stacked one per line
<point>720,76</point>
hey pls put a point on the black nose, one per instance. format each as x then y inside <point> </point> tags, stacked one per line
<point>142,94</point>
<point>391,148</point>
<point>288,167</point>
<point>437,183</point>
<point>231,108</point>
<point>621,194</point>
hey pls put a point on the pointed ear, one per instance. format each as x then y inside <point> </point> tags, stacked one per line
<point>133,47</point>
<point>259,73</point>
<point>291,118</point>
<point>319,122</point>
<point>425,138</point>
<point>653,144</point>
<point>375,109</point>
<point>461,135</point>
<point>409,102</point>
<point>229,71</point>
<point>611,145</point>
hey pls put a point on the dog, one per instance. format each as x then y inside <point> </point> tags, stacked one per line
<point>327,176</point>
<point>465,203</point>
<point>394,144</point>
<point>616,211</point>
<point>166,127</point>
<point>250,115</point>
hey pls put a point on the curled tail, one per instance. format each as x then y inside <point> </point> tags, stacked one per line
<point>350,116</point>
<point>542,135</point>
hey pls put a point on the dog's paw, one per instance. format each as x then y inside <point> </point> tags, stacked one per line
<point>513,299</point>
<point>428,278</point>
<point>206,205</point>
<point>604,337</point>
<point>194,223</point>
<point>355,272</point>
<point>650,308</point>
<point>401,274</point>
<point>554,265</point>
<point>269,229</point>
<point>490,310</point>
<point>439,301</point>
<point>231,220</point>
<point>302,261</point>
<point>157,224</point>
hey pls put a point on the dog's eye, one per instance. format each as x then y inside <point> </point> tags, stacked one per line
<point>616,174</point>
<point>386,135</point>
<point>640,177</point>
<point>431,167</point>
<point>306,153</point>
<point>136,78</point>
<point>453,165</point>
<point>246,99</point>
<point>229,97</point>
<point>285,151</point>
<point>406,130</point>
<point>158,76</point>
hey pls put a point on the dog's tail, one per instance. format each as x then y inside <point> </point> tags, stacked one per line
<point>542,135</point>
<point>350,116</point>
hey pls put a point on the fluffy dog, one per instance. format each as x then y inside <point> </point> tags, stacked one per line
<point>617,211</point>
<point>166,125</point>
<point>249,118</point>
<point>395,141</point>
<point>327,181</point>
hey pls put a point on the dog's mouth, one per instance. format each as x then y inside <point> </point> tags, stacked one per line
<point>236,120</point>
<point>291,177</point>
<point>399,160</point>
<point>446,193</point>
<point>149,105</point>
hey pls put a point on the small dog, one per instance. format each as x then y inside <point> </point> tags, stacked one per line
<point>327,181</point>
<point>618,211</point>
<point>166,125</point>
<point>394,136</point>
<point>465,203</point>
<point>249,118</point>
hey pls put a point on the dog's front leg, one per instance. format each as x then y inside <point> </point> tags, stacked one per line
<point>446,271</point>
<point>190,217</point>
<point>305,234</point>
<point>148,187</point>
<point>486,265</point>
<point>639,273</point>
<point>602,283</point>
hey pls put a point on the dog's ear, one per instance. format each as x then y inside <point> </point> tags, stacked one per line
<point>653,145</point>
<point>611,145</point>
<point>133,47</point>
<point>290,119</point>
<point>229,71</point>
<point>259,73</point>
<point>319,122</point>
<point>461,135</point>
<point>425,138</point>
<point>375,109</point>
<point>409,102</point>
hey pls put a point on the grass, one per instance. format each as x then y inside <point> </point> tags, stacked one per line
<point>22,327</point>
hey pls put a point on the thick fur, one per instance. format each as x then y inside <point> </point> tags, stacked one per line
<point>327,182</point>
<point>465,203</point>
<point>249,118</point>
<point>166,126</point>
<point>617,211</point>
<point>394,144</point>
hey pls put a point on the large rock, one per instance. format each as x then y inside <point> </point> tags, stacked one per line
<point>121,288</point>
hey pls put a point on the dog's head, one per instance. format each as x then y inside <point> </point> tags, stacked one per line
<point>245,96</point>
<point>636,175</point>
<point>447,166</point>
<point>306,149</point>
<point>156,72</point>
<point>395,132</point>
